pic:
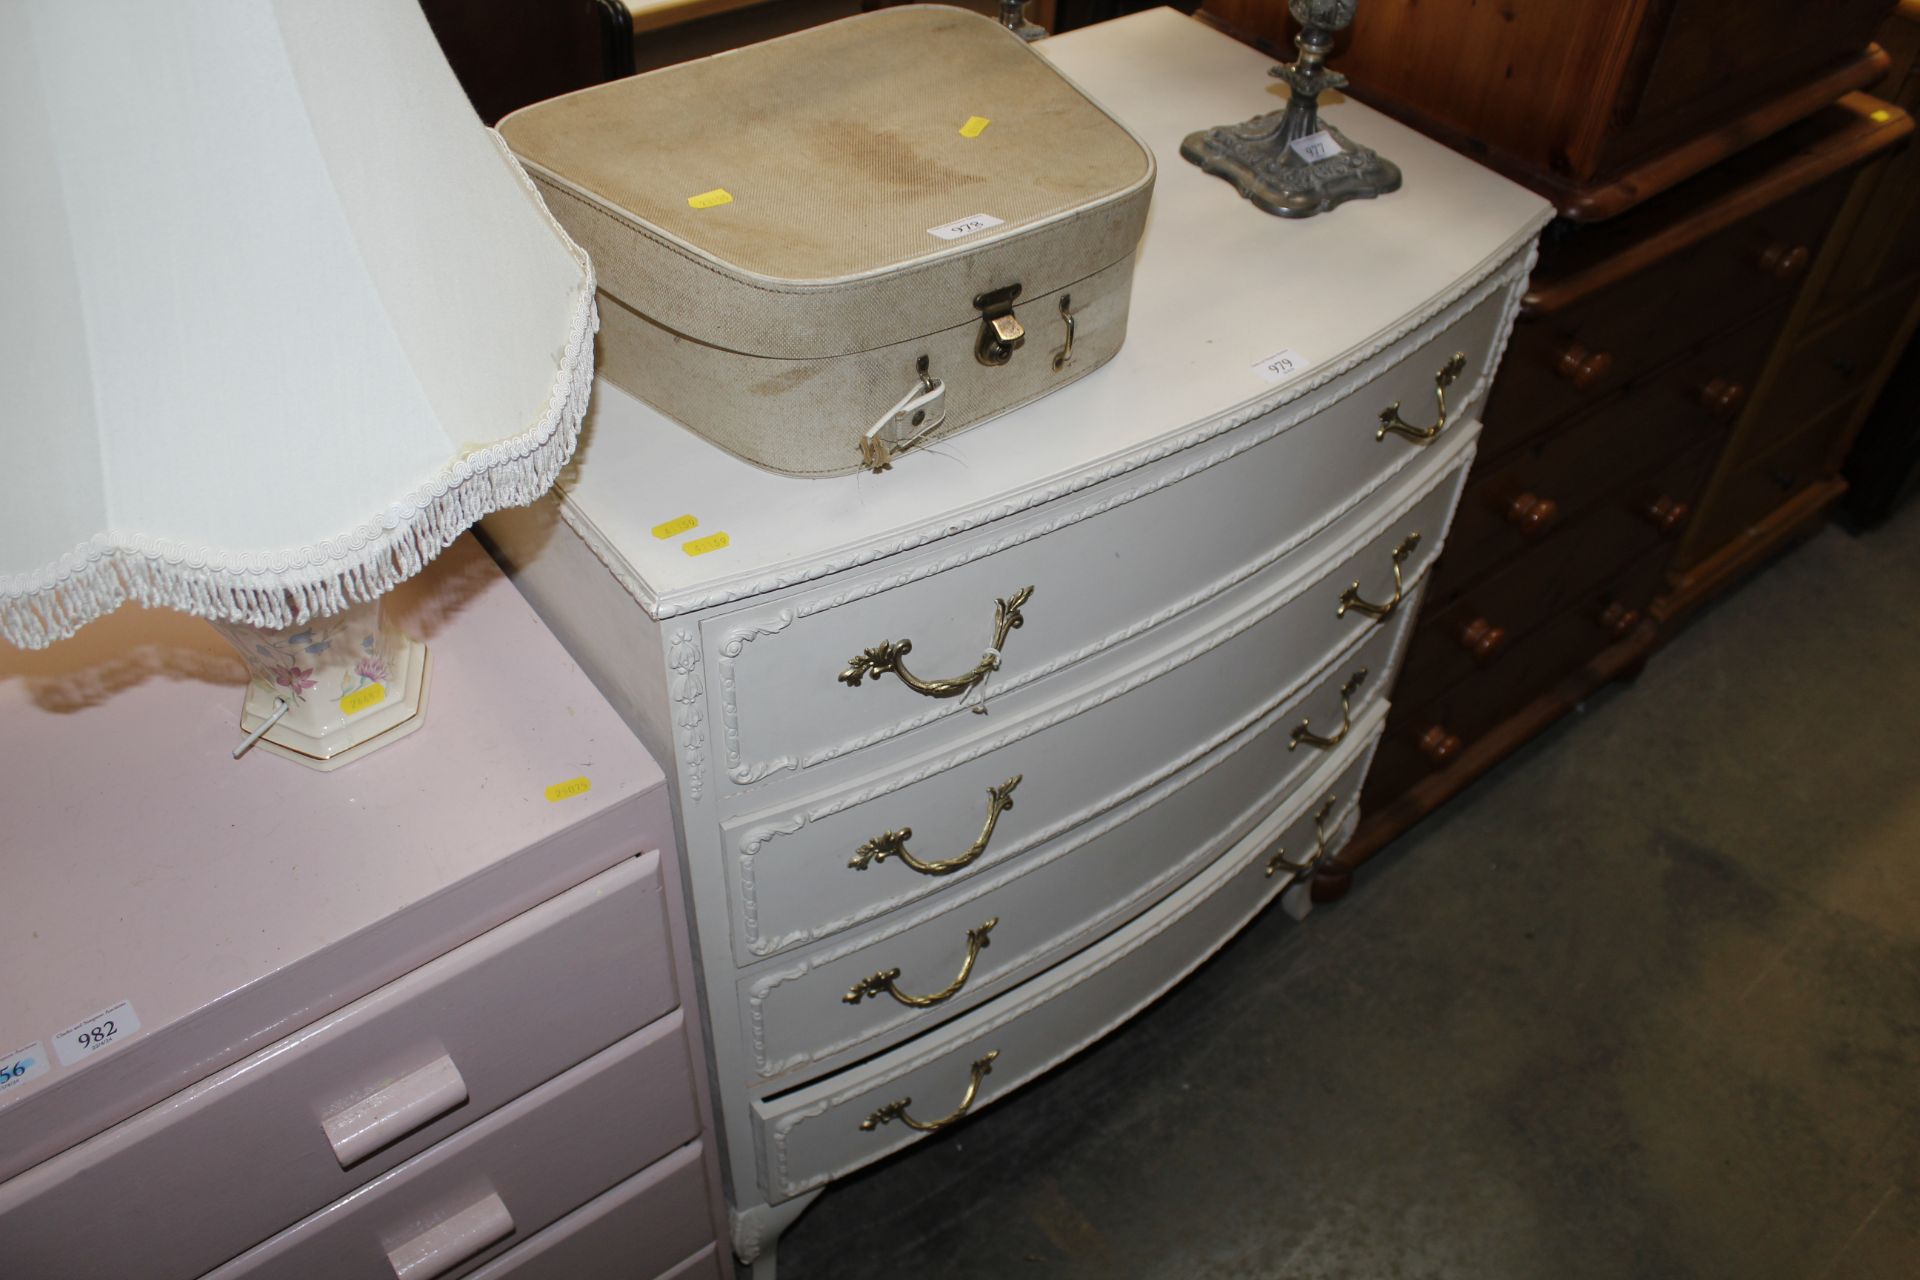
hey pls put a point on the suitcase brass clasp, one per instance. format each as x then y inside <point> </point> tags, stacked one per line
<point>1000,330</point>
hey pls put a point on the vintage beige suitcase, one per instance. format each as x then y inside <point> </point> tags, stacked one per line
<point>822,250</point>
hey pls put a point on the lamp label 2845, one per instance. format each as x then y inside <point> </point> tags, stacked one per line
<point>91,1035</point>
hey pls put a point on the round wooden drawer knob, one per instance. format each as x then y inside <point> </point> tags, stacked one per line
<point>1667,514</point>
<point>1784,261</point>
<point>1439,746</point>
<point>1581,367</point>
<point>1722,398</point>
<point>1482,639</point>
<point>1618,619</point>
<point>1532,515</point>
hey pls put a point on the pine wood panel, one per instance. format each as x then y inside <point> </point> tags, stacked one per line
<point>1598,106</point>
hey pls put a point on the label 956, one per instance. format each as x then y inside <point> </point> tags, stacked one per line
<point>22,1065</point>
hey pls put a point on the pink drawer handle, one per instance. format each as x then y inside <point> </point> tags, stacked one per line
<point>361,1128</point>
<point>444,1246</point>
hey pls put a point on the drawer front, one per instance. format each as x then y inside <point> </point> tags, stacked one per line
<point>850,1119</point>
<point>1519,501</point>
<point>1561,363</point>
<point>649,1226</point>
<point>1426,734</point>
<point>1707,61</point>
<point>1654,505</point>
<point>978,939</point>
<point>1747,494</point>
<point>793,875</point>
<point>472,1197</point>
<point>383,1078</point>
<point>1831,368</point>
<point>1456,636</point>
<point>816,676</point>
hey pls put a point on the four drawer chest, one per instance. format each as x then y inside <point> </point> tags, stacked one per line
<point>972,759</point>
<point>425,1017</point>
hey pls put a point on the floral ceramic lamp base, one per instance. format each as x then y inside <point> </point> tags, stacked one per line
<point>349,682</point>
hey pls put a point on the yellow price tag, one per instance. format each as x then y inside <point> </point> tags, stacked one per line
<point>568,790</point>
<point>711,199</point>
<point>974,127</point>
<point>362,699</point>
<point>700,546</point>
<point>678,525</point>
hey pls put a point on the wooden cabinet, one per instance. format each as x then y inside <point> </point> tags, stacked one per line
<point>1780,473</point>
<point>358,1020</point>
<point>1597,106</point>
<point>1706,320</point>
<point>1640,413</point>
<point>908,904</point>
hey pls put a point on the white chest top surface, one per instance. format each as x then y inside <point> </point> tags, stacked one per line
<point>1220,287</point>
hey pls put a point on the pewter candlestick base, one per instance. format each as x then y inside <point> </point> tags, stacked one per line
<point>1257,158</point>
<point>1287,162</point>
<point>1013,16</point>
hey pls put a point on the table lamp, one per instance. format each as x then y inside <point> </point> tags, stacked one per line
<point>280,319</point>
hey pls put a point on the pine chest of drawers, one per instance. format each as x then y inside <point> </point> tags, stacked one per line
<point>975,758</point>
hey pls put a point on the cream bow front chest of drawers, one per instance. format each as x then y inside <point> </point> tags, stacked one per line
<point>974,758</point>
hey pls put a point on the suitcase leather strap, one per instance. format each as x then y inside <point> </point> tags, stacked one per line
<point>912,416</point>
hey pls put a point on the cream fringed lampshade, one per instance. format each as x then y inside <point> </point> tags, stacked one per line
<point>279,318</point>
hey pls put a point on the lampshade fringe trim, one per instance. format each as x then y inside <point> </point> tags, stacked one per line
<point>288,589</point>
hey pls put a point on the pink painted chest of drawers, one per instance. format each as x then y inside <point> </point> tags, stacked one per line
<point>420,1018</point>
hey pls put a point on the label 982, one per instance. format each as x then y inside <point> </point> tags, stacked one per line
<point>103,1030</point>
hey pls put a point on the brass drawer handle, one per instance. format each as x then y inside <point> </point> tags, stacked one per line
<point>882,983</point>
<point>1390,419</point>
<point>1350,598</point>
<point>886,657</point>
<point>1278,862</point>
<point>898,1110</point>
<point>893,844</point>
<point>1303,731</point>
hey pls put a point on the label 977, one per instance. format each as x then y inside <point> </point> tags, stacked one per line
<point>1315,146</point>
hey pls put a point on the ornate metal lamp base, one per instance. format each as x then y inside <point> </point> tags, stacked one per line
<point>1259,160</point>
<point>1013,16</point>
<point>1287,162</point>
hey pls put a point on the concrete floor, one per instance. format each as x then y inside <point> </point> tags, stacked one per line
<point>1643,1003</point>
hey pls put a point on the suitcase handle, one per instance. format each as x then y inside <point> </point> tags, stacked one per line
<point>919,411</point>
